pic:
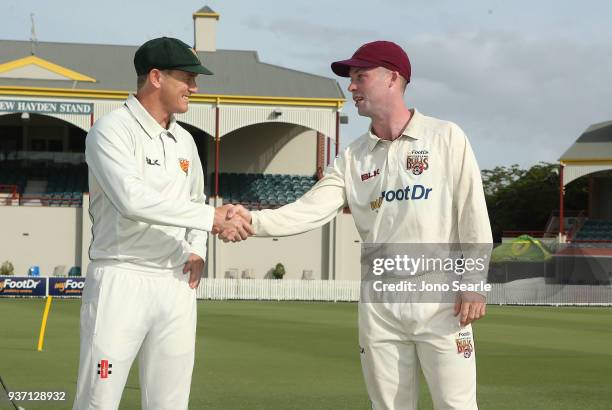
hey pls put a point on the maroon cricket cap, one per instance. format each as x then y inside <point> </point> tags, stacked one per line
<point>376,54</point>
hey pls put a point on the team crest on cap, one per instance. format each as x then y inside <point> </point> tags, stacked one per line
<point>184,163</point>
<point>417,161</point>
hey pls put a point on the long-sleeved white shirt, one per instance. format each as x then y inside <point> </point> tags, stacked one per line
<point>147,202</point>
<point>423,187</point>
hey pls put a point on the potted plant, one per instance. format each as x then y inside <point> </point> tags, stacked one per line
<point>279,271</point>
<point>7,269</point>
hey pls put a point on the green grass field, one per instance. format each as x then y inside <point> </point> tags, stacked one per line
<point>270,355</point>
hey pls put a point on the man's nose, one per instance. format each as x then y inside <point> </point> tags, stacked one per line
<point>193,86</point>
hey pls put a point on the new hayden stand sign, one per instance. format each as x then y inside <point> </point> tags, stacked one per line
<point>46,107</point>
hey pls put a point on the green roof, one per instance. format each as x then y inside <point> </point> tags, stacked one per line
<point>235,72</point>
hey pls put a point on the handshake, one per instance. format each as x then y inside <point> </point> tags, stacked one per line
<point>232,223</point>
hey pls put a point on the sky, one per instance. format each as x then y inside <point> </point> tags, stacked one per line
<point>523,79</point>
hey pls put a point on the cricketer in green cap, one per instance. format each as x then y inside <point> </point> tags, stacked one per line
<point>166,53</point>
<point>167,70</point>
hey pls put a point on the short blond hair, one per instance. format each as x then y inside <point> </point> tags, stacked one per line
<point>141,80</point>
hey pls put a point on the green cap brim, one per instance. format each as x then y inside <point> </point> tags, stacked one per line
<point>197,68</point>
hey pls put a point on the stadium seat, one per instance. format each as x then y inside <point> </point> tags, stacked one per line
<point>595,230</point>
<point>263,190</point>
<point>59,270</point>
<point>75,271</point>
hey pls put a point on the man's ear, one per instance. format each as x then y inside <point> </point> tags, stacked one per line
<point>394,78</point>
<point>155,77</point>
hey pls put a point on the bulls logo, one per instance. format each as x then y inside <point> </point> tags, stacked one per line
<point>417,161</point>
<point>464,346</point>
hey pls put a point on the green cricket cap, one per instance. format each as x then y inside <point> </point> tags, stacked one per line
<point>166,53</point>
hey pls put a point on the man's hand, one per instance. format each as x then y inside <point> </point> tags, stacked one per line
<point>470,306</point>
<point>232,223</point>
<point>241,211</point>
<point>195,267</point>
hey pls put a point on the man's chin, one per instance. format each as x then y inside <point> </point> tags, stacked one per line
<point>363,112</point>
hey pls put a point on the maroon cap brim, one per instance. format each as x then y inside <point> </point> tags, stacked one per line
<point>342,68</point>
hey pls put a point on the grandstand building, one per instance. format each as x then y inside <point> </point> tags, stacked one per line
<point>591,156</point>
<point>575,247</point>
<point>585,252</point>
<point>264,134</point>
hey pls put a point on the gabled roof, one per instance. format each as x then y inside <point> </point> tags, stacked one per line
<point>594,145</point>
<point>236,73</point>
<point>36,68</point>
<point>206,12</point>
<point>205,9</point>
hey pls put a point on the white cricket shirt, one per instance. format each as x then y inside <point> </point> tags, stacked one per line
<point>423,187</point>
<point>147,201</point>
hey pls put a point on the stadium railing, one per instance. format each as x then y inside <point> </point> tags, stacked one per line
<point>529,292</point>
<point>510,293</point>
<point>9,195</point>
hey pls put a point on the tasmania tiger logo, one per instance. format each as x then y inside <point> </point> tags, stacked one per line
<point>184,163</point>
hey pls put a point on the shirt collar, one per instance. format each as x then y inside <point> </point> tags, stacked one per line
<point>413,130</point>
<point>147,122</point>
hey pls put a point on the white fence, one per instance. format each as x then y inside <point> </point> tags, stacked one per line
<point>512,293</point>
<point>270,289</point>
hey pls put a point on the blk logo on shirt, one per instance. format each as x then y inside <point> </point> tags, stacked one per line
<point>371,174</point>
<point>153,162</point>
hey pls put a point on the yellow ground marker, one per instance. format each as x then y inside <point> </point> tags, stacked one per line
<point>43,325</point>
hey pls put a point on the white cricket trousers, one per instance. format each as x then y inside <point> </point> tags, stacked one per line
<point>398,339</point>
<point>129,312</point>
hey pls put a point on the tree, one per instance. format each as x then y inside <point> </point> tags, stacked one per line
<point>279,271</point>
<point>519,199</point>
<point>7,269</point>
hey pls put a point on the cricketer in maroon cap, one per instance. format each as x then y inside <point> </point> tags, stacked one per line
<point>410,179</point>
<point>379,73</point>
